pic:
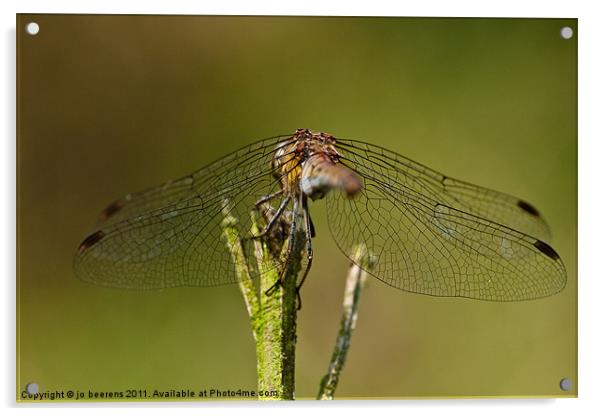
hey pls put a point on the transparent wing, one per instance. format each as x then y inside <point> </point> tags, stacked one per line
<point>486,203</point>
<point>172,235</point>
<point>438,236</point>
<point>206,180</point>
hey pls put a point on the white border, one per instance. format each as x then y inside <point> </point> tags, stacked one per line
<point>508,8</point>
<point>590,207</point>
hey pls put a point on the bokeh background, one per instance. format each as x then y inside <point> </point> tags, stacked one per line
<point>109,105</point>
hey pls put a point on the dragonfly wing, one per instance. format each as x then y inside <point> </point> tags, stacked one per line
<point>487,203</point>
<point>425,244</point>
<point>172,235</point>
<point>206,180</point>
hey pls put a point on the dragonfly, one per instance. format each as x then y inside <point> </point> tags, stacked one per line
<point>428,233</point>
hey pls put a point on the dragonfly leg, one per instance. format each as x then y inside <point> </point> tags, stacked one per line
<point>289,248</point>
<point>267,198</point>
<point>312,229</point>
<point>309,233</point>
<point>273,288</point>
<point>273,220</point>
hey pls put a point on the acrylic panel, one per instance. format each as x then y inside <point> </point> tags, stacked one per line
<point>465,291</point>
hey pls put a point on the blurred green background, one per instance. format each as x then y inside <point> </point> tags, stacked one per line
<point>109,105</point>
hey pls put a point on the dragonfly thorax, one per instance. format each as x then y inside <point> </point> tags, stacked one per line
<point>310,163</point>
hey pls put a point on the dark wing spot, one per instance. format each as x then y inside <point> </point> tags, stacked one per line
<point>525,206</point>
<point>546,249</point>
<point>111,209</point>
<point>91,240</point>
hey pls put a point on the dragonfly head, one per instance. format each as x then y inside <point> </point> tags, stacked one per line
<point>321,173</point>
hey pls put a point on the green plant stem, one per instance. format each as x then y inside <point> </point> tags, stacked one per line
<point>273,317</point>
<point>362,260</point>
<point>247,288</point>
<point>268,344</point>
<point>288,323</point>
